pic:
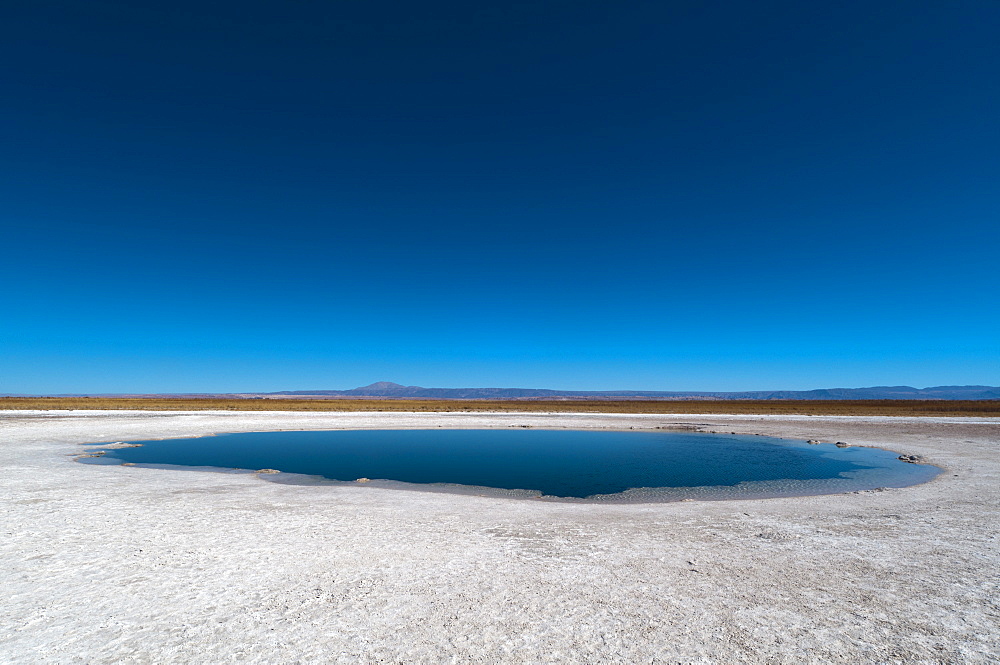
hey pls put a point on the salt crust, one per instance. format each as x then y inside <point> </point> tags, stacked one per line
<point>109,564</point>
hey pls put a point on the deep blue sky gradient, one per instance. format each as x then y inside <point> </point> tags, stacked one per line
<point>237,196</point>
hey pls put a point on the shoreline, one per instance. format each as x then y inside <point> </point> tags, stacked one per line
<point>746,490</point>
<point>229,569</point>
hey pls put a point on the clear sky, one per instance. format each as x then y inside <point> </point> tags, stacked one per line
<point>237,196</point>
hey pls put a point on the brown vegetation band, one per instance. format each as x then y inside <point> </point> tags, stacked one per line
<point>776,407</point>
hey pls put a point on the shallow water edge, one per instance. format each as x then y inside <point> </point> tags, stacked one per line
<point>862,479</point>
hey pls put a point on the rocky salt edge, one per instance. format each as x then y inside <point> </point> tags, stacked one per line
<point>126,564</point>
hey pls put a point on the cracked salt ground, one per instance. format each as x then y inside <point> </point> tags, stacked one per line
<point>126,564</point>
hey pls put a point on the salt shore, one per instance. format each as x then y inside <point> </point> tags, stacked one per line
<point>114,564</point>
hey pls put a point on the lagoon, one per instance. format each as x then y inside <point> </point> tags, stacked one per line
<point>551,464</point>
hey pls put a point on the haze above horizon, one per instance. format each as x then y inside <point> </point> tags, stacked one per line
<point>390,390</point>
<point>260,196</point>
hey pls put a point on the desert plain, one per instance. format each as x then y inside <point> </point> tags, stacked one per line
<point>117,564</point>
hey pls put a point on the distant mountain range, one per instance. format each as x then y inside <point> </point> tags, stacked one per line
<point>386,389</point>
<point>389,390</point>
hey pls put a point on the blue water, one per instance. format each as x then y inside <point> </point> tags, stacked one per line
<point>551,463</point>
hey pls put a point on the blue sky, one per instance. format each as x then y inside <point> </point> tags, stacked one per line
<point>653,195</point>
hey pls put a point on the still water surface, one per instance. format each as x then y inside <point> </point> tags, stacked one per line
<point>572,464</point>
